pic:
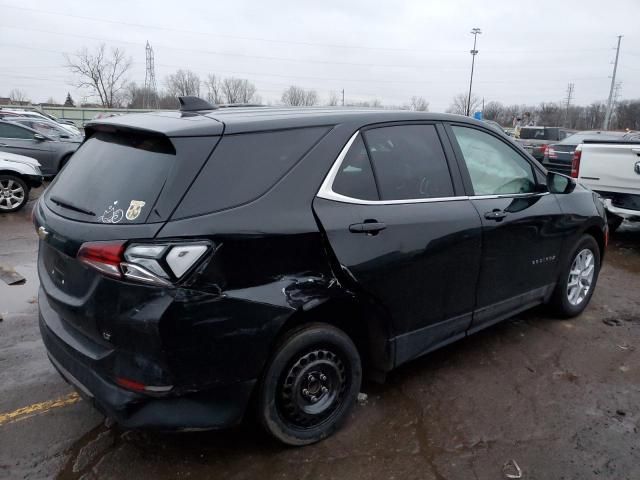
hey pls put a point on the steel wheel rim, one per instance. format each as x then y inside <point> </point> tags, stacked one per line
<point>11,194</point>
<point>312,389</point>
<point>581,277</point>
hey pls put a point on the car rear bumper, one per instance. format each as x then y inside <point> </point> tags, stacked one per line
<point>621,212</point>
<point>212,408</point>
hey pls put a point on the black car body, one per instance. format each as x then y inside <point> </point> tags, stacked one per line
<point>536,139</point>
<point>295,226</point>
<point>559,156</point>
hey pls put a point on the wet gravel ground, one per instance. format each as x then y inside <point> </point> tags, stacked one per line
<point>560,398</point>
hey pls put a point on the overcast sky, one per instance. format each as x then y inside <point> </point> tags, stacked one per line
<point>389,50</point>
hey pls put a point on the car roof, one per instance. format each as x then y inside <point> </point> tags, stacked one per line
<point>248,119</point>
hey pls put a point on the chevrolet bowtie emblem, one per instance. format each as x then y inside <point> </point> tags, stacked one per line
<point>42,233</point>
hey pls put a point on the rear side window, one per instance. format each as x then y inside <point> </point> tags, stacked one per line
<point>113,178</point>
<point>13,131</point>
<point>409,162</point>
<point>355,177</point>
<point>244,166</point>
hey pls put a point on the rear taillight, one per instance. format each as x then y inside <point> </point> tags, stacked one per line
<point>575,163</point>
<point>551,153</point>
<point>103,256</point>
<point>158,264</point>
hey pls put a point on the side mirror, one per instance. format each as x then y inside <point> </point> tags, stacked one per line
<point>39,137</point>
<point>558,183</point>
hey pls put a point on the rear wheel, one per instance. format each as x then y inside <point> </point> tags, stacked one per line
<point>14,193</point>
<point>310,385</point>
<point>578,279</point>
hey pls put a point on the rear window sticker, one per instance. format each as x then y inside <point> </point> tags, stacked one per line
<point>135,207</point>
<point>112,214</point>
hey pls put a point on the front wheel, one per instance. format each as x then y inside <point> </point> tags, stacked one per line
<point>310,385</point>
<point>578,279</point>
<point>14,193</point>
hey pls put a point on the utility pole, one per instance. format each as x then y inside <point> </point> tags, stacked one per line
<point>343,97</point>
<point>570,88</point>
<point>607,116</point>
<point>473,52</point>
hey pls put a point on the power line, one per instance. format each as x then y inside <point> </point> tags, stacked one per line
<point>262,39</point>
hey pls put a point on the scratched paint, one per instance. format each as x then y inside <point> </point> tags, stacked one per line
<point>38,408</point>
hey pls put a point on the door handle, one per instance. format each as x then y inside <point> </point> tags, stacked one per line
<point>496,215</point>
<point>3,145</point>
<point>372,228</point>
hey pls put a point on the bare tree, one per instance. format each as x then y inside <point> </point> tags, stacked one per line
<point>333,99</point>
<point>493,111</point>
<point>18,96</point>
<point>214,89</point>
<point>459,104</point>
<point>419,104</point>
<point>102,73</point>
<point>299,97</point>
<point>183,83</point>
<point>239,90</point>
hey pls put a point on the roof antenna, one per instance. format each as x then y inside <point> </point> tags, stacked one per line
<point>193,104</point>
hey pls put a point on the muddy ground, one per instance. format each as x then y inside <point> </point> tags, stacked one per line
<point>561,398</point>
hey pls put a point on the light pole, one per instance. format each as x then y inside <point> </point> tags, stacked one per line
<point>474,52</point>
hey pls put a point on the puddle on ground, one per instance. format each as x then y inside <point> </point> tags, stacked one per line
<point>19,298</point>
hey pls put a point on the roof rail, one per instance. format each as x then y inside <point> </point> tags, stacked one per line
<point>193,104</point>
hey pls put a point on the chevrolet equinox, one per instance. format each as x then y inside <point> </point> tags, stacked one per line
<point>198,262</point>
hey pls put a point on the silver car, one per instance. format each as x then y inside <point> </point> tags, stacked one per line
<point>18,175</point>
<point>51,152</point>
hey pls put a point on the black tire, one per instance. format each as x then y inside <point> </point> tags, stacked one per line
<point>561,303</point>
<point>614,222</point>
<point>295,405</point>
<point>19,191</point>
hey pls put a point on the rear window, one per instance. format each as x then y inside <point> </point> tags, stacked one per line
<point>113,178</point>
<point>244,166</point>
<point>539,133</point>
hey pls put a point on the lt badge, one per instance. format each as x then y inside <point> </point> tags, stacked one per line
<point>135,207</point>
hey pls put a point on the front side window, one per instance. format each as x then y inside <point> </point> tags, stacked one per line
<point>13,131</point>
<point>355,177</point>
<point>409,162</point>
<point>495,168</point>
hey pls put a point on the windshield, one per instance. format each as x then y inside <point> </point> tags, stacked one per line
<point>114,178</point>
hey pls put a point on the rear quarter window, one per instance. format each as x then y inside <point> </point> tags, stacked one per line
<point>244,166</point>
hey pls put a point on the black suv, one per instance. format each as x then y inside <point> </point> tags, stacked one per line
<point>191,261</point>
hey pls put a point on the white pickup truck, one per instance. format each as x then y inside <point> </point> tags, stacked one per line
<point>612,169</point>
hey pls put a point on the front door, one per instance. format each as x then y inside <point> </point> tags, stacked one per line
<point>521,224</point>
<point>19,140</point>
<point>403,235</point>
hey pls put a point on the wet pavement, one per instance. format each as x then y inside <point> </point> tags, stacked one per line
<point>560,398</point>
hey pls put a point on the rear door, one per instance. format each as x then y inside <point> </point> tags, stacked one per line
<point>399,225</point>
<point>521,224</point>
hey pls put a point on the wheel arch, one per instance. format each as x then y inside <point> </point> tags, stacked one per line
<point>367,326</point>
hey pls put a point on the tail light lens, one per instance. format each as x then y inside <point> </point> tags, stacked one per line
<point>551,153</point>
<point>103,256</point>
<point>158,264</point>
<point>575,163</point>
